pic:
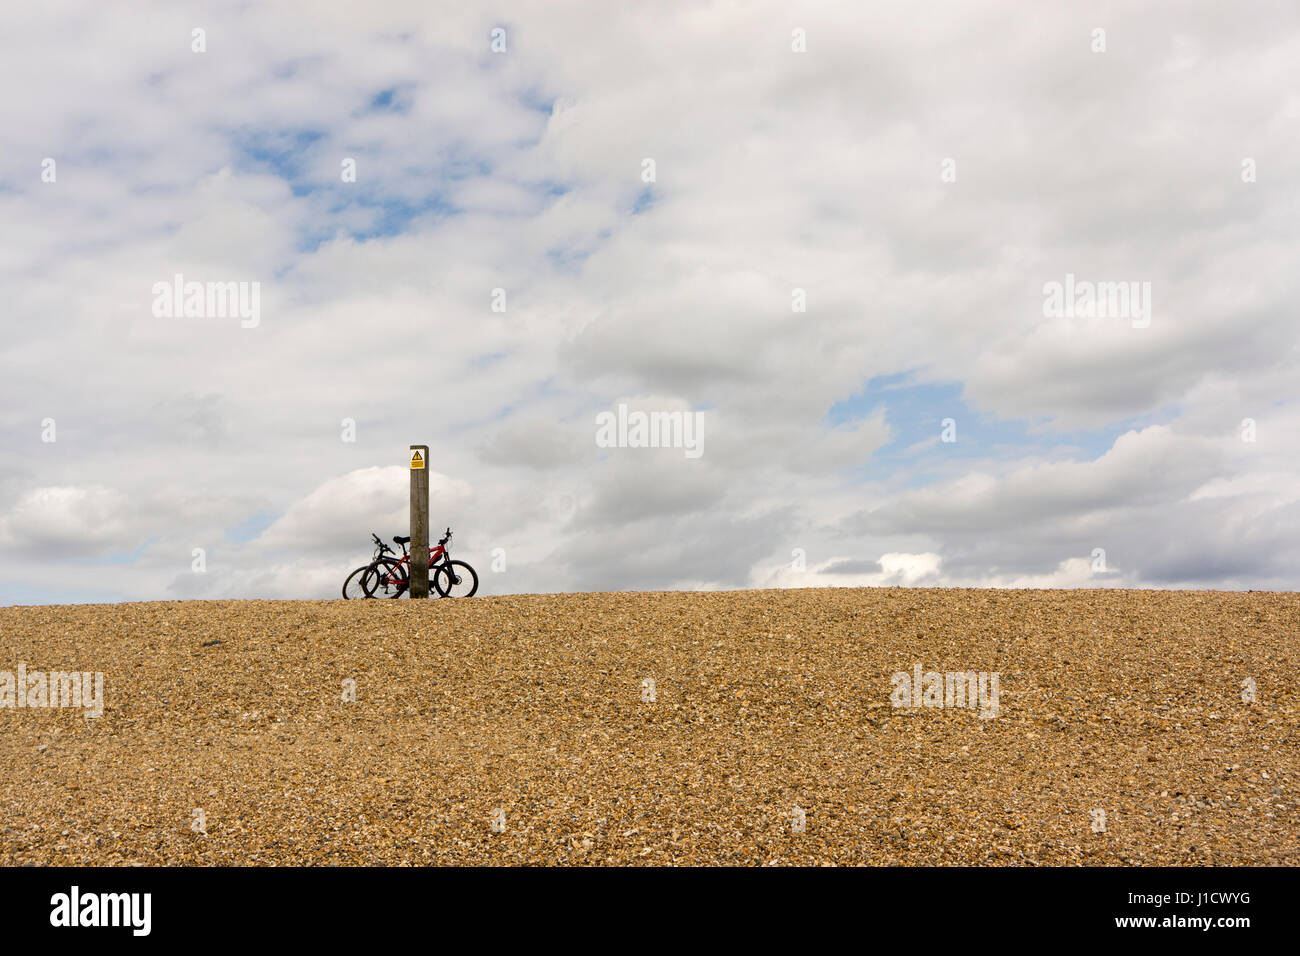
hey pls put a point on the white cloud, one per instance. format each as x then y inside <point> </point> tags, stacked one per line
<point>76,520</point>
<point>775,171</point>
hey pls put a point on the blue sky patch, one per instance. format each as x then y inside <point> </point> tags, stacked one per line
<point>644,201</point>
<point>915,413</point>
<point>251,528</point>
<point>280,153</point>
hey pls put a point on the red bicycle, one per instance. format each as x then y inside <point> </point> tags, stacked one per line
<point>390,577</point>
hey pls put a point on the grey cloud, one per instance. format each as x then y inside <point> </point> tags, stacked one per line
<point>535,443</point>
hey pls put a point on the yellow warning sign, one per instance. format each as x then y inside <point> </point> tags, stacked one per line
<point>417,460</point>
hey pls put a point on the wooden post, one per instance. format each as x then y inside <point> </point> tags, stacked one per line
<point>419,521</point>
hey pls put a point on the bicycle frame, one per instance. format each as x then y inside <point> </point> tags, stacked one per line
<point>388,580</point>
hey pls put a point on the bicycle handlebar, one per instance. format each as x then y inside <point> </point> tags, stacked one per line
<point>383,547</point>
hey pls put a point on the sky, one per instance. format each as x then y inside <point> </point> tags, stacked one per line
<point>828,232</point>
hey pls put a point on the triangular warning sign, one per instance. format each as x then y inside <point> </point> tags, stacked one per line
<point>417,461</point>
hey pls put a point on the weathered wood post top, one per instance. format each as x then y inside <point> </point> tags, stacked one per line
<point>419,521</point>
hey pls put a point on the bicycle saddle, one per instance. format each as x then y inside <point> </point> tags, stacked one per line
<point>398,539</point>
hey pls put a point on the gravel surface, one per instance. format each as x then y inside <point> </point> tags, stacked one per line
<point>523,729</point>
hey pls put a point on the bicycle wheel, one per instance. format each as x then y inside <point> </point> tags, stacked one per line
<point>455,579</point>
<point>355,585</point>
<point>388,580</point>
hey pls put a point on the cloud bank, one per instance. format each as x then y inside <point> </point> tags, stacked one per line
<point>827,230</point>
